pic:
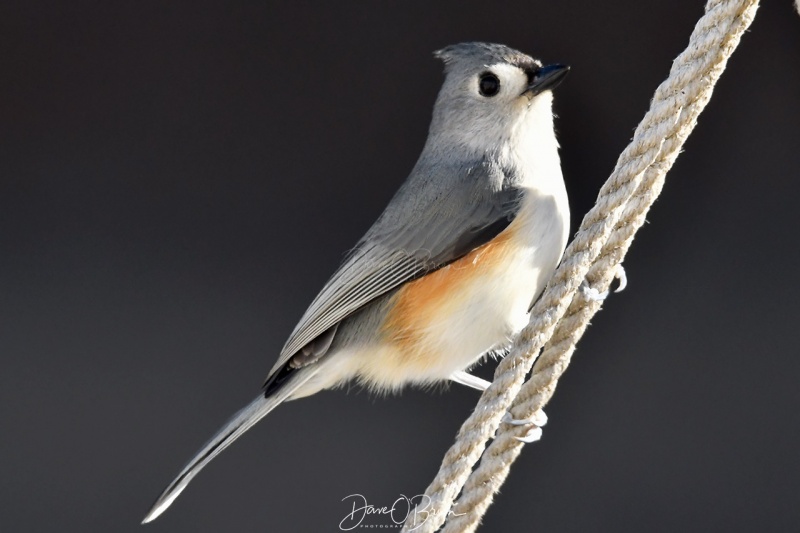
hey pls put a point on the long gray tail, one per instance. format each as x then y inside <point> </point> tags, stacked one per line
<point>232,430</point>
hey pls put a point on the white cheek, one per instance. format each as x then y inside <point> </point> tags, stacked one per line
<point>512,81</point>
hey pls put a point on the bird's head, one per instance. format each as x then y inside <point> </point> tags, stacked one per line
<point>491,95</point>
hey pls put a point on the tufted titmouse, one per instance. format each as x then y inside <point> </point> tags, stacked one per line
<point>450,270</point>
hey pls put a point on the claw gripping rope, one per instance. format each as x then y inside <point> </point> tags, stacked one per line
<point>560,316</point>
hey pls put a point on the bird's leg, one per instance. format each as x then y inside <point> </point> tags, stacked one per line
<point>536,422</point>
<point>469,380</point>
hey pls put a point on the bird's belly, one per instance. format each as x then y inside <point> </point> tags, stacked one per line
<point>443,322</point>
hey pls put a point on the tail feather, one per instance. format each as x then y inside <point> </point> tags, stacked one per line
<point>232,430</point>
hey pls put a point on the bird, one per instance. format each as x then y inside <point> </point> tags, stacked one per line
<point>450,270</point>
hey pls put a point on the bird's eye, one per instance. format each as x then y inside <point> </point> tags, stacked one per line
<point>488,85</point>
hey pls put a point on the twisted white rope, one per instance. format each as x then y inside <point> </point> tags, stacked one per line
<point>599,246</point>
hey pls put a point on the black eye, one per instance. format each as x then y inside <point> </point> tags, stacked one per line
<point>488,85</point>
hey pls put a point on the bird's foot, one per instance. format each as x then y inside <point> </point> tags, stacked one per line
<point>622,276</point>
<point>535,422</point>
<point>597,296</point>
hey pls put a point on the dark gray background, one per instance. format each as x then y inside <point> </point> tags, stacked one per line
<point>178,179</point>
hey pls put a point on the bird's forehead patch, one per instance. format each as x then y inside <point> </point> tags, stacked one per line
<point>527,63</point>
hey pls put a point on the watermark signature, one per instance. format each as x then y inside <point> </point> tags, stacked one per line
<point>414,510</point>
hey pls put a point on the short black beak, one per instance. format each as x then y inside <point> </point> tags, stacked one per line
<point>546,78</point>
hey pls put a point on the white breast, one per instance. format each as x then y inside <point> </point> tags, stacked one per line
<point>495,305</point>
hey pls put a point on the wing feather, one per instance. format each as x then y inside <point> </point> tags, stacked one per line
<point>429,223</point>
